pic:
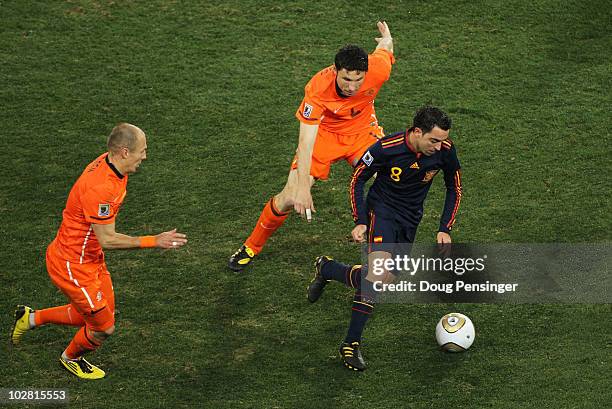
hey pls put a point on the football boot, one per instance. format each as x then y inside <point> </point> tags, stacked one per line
<point>318,283</point>
<point>351,356</point>
<point>241,258</point>
<point>81,368</point>
<point>21,324</point>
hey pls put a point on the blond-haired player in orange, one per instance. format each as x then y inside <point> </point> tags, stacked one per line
<point>337,121</point>
<point>75,260</point>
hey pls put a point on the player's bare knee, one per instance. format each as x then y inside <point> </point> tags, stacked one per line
<point>110,331</point>
<point>383,276</point>
<point>283,201</point>
<point>103,335</point>
<point>380,262</point>
<point>388,277</point>
<point>99,336</point>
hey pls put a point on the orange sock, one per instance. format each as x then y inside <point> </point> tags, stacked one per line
<point>82,342</point>
<point>269,221</point>
<point>62,315</point>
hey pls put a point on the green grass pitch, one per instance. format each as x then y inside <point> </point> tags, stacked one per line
<point>215,86</point>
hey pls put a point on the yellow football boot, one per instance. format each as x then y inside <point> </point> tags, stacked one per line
<point>241,258</point>
<point>81,368</point>
<point>22,323</point>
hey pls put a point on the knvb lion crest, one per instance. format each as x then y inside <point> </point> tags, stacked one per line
<point>429,175</point>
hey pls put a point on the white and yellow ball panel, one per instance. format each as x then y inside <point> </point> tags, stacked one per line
<point>455,332</point>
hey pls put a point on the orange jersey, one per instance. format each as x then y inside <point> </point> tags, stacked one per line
<point>345,115</point>
<point>95,198</point>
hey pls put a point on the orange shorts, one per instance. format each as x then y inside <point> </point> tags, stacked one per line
<point>331,147</point>
<point>88,287</point>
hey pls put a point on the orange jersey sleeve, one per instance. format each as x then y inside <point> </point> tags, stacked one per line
<point>380,62</point>
<point>100,203</point>
<point>323,106</point>
<point>312,108</point>
<point>95,198</point>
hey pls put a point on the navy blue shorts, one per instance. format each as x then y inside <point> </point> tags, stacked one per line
<point>386,234</point>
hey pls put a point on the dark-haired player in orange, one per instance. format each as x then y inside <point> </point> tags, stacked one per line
<point>75,260</point>
<point>337,121</point>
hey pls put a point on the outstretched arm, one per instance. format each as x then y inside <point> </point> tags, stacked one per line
<point>385,41</point>
<point>110,239</point>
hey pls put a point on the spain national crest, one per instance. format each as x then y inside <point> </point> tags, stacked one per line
<point>429,175</point>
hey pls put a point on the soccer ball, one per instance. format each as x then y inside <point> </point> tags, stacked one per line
<point>455,332</point>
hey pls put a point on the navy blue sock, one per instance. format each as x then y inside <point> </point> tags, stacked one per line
<point>345,274</point>
<point>363,306</point>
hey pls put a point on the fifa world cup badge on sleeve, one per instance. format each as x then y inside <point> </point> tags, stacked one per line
<point>307,110</point>
<point>104,210</point>
<point>368,158</point>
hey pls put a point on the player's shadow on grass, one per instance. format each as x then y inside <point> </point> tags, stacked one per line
<point>268,334</point>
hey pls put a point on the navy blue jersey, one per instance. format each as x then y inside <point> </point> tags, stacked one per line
<point>403,180</point>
